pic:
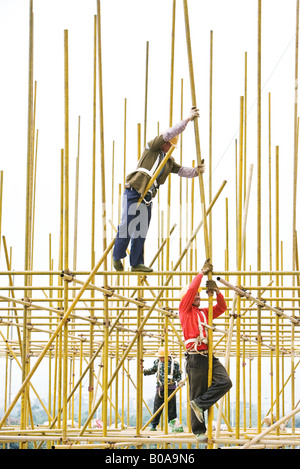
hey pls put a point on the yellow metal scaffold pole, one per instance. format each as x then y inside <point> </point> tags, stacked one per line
<point>28,228</point>
<point>66,231</point>
<point>202,198</point>
<point>259,335</point>
<point>296,142</point>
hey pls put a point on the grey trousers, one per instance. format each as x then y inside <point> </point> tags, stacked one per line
<point>204,396</point>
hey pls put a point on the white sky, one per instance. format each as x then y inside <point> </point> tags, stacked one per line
<point>126,26</point>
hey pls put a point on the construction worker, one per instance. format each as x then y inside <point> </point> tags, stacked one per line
<point>174,375</point>
<point>136,217</point>
<point>193,320</point>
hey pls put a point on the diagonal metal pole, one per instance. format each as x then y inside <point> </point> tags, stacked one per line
<point>202,196</point>
<point>156,173</point>
<point>270,429</point>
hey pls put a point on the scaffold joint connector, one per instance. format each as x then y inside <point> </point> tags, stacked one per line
<point>67,275</point>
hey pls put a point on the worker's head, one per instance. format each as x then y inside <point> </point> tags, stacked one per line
<point>197,298</point>
<point>171,143</point>
<point>166,147</point>
<point>161,353</point>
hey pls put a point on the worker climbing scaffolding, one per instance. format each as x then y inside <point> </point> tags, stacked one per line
<point>136,216</point>
<point>193,321</point>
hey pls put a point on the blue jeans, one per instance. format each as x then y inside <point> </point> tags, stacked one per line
<point>133,227</point>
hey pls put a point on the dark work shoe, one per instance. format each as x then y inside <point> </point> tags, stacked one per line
<point>118,265</point>
<point>198,411</point>
<point>141,268</point>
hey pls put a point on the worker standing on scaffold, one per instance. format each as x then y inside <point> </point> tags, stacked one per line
<point>193,320</point>
<point>174,376</point>
<point>136,217</point>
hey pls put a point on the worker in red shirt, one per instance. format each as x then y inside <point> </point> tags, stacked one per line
<point>193,320</point>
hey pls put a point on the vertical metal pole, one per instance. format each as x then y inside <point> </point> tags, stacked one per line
<point>50,352</point>
<point>123,395</point>
<point>139,369</point>
<point>170,124</point>
<point>227,411</point>
<point>76,203</point>
<point>124,147</point>
<point>128,393</point>
<point>104,228</point>
<point>239,263</point>
<point>180,181</point>
<point>110,392</point>
<point>28,227</point>
<point>94,145</point>
<point>295,134</point>
<point>80,386</point>
<point>30,130</point>
<point>91,375</point>
<point>60,303</point>
<point>295,192</point>
<point>210,138</point>
<point>192,220</point>
<point>103,193</point>
<point>34,166</point>
<point>259,218</point>
<point>75,254</point>
<point>270,246</point>
<point>245,144</point>
<point>166,366</point>
<point>243,247</point>
<point>66,232</point>
<point>172,62</point>
<point>277,284</point>
<point>117,380</point>
<point>146,93</point>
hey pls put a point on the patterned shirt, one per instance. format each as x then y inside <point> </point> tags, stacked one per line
<point>159,368</point>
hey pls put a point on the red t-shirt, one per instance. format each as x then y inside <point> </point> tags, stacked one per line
<point>189,314</point>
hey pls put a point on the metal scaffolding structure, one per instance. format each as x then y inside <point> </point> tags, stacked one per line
<point>94,329</point>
